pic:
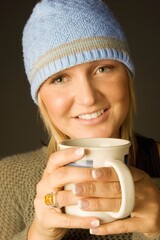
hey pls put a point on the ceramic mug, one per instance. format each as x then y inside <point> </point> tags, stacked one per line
<point>105,152</point>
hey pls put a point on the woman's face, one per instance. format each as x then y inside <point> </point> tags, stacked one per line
<point>88,100</point>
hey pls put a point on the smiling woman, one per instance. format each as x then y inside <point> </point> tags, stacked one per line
<point>81,76</point>
<point>97,102</point>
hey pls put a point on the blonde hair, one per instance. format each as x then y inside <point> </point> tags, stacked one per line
<point>126,130</point>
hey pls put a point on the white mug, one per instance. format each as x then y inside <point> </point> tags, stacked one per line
<point>105,152</point>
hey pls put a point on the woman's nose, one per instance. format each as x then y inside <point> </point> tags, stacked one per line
<point>86,94</point>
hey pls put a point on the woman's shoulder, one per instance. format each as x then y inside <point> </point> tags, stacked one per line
<point>148,155</point>
<point>24,164</point>
<point>147,143</point>
<point>26,157</point>
<point>19,175</point>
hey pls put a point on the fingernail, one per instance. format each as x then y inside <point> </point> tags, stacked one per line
<point>93,231</point>
<point>79,151</point>
<point>95,223</point>
<point>77,189</point>
<point>96,173</point>
<point>83,203</point>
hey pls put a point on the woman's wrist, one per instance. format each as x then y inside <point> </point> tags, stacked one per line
<point>36,232</point>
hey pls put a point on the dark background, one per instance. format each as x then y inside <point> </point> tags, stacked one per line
<point>20,126</point>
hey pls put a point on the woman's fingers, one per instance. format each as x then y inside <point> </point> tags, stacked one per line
<point>66,198</point>
<point>99,204</point>
<point>104,174</point>
<point>66,156</point>
<point>117,227</point>
<point>69,221</point>
<point>67,174</point>
<point>98,196</point>
<point>54,218</point>
<point>128,225</point>
<point>97,189</point>
<point>62,158</point>
<point>48,215</point>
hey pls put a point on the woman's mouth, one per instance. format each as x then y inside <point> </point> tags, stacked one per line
<point>91,115</point>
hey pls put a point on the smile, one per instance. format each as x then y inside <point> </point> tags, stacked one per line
<point>92,115</point>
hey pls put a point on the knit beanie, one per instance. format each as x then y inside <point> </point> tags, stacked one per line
<point>63,33</point>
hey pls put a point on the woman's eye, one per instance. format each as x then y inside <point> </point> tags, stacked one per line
<point>104,69</point>
<point>58,80</point>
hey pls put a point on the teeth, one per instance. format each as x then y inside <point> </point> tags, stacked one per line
<point>93,115</point>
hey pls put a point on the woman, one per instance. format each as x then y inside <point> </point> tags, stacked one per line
<point>81,75</point>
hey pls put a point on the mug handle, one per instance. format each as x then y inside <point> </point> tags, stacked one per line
<point>127,189</point>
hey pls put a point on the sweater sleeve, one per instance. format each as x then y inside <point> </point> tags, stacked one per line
<point>19,175</point>
<point>12,222</point>
<point>22,235</point>
<point>140,236</point>
<point>148,158</point>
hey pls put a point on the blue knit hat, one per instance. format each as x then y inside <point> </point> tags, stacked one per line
<point>63,33</point>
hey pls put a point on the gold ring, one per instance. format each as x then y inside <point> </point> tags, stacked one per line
<point>50,199</point>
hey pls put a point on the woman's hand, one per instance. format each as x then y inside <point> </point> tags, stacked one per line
<point>52,223</point>
<point>94,190</point>
<point>145,217</point>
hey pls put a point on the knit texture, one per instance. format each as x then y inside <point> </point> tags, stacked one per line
<point>60,34</point>
<point>19,175</point>
<point>138,236</point>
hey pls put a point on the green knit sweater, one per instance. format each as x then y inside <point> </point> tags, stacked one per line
<point>19,175</point>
